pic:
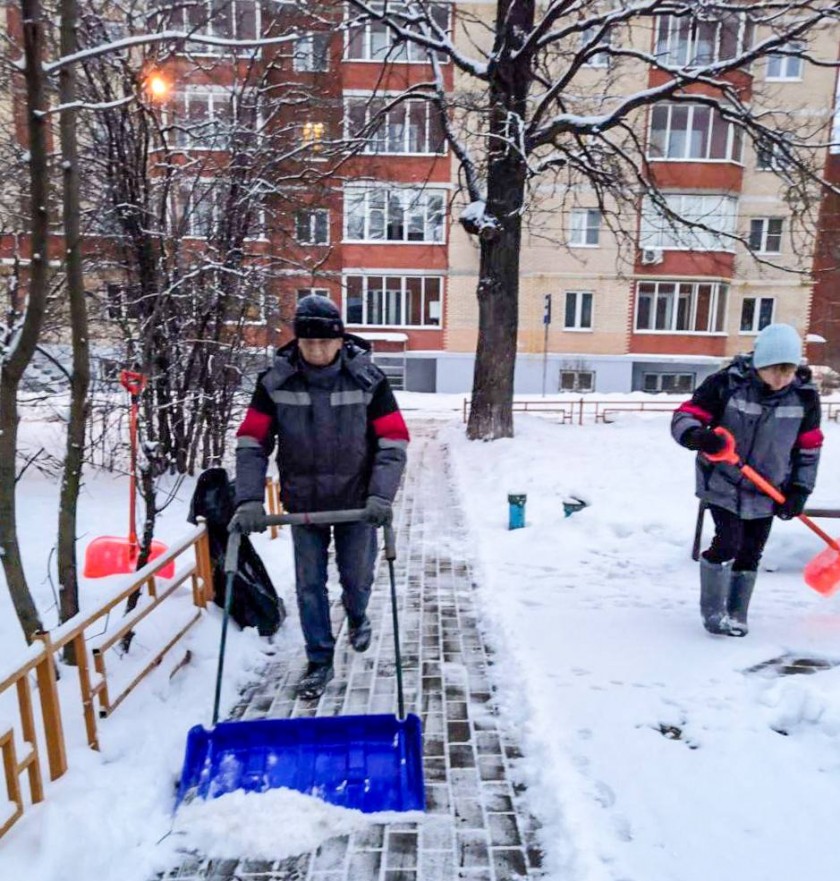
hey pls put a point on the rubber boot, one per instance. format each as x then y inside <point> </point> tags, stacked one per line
<point>714,595</point>
<point>740,594</point>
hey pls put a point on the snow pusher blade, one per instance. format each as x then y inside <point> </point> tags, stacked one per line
<point>110,555</point>
<point>822,573</point>
<point>368,763</point>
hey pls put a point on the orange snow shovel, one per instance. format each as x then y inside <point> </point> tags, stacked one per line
<point>823,572</point>
<point>109,555</point>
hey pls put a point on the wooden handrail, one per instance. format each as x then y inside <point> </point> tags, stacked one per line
<point>41,659</point>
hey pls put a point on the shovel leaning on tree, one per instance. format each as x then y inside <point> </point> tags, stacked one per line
<point>111,555</point>
<point>822,573</point>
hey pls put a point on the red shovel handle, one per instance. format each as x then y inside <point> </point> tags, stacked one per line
<point>132,382</point>
<point>730,455</point>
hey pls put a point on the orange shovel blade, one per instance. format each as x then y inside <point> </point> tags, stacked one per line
<point>823,572</point>
<point>109,555</point>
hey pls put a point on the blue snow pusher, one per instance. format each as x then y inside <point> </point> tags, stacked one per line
<point>368,763</point>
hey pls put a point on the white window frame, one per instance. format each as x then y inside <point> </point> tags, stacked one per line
<point>658,232</point>
<point>577,326</point>
<point>718,301</point>
<point>785,62</point>
<point>375,143</point>
<point>219,101</point>
<point>771,150</point>
<point>210,28</point>
<point>313,215</point>
<point>597,60</point>
<point>734,138</point>
<point>383,195</point>
<point>409,53</point>
<point>202,187</point>
<point>197,191</point>
<point>313,138</point>
<point>404,278</point>
<point>263,313</point>
<point>658,382</point>
<point>674,50</point>
<point>576,386</point>
<point>765,235</point>
<point>582,228</point>
<point>305,56</point>
<point>755,325</point>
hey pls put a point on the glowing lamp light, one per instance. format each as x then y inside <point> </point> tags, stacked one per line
<point>158,86</point>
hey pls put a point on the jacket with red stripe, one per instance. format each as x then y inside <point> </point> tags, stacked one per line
<point>340,435</point>
<point>777,433</point>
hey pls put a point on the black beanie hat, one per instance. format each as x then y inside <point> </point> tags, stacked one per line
<point>317,317</point>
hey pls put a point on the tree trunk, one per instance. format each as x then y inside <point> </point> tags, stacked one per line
<point>491,409</point>
<point>80,380</point>
<point>22,346</point>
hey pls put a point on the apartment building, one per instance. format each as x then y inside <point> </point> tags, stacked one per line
<point>652,308</point>
<point>665,312</point>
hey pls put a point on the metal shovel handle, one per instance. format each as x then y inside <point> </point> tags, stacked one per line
<point>323,518</point>
<point>327,518</point>
<point>316,518</point>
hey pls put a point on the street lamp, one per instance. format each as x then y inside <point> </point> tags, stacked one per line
<point>158,86</point>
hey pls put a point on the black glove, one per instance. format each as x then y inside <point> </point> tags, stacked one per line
<point>704,440</point>
<point>249,517</point>
<point>793,505</point>
<point>378,511</point>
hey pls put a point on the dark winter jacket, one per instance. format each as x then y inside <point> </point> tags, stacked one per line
<point>777,433</point>
<point>340,435</point>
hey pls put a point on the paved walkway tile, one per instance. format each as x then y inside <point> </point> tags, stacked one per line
<point>477,826</point>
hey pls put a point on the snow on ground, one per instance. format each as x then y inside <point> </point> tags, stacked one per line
<point>652,753</point>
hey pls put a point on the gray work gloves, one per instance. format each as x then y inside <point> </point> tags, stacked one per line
<point>249,517</point>
<point>377,511</point>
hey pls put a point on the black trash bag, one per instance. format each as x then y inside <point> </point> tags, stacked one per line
<point>255,602</point>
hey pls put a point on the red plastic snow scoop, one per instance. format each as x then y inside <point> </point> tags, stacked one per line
<point>109,555</point>
<point>823,572</point>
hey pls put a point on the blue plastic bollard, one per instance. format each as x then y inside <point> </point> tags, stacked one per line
<point>516,510</point>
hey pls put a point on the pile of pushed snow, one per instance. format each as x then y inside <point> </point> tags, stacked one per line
<point>271,825</point>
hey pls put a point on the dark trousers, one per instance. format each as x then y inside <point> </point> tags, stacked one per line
<point>355,554</point>
<point>739,540</point>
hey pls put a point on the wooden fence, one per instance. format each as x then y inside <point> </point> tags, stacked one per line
<point>39,721</point>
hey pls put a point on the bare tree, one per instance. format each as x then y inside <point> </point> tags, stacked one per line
<point>80,378</point>
<point>22,335</point>
<point>527,116</point>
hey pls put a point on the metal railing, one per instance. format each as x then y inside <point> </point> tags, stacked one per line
<point>40,660</point>
<point>577,411</point>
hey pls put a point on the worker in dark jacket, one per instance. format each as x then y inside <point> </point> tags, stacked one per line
<point>341,444</point>
<point>771,408</point>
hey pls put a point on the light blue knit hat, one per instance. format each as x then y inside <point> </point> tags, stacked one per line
<point>777,344</point>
